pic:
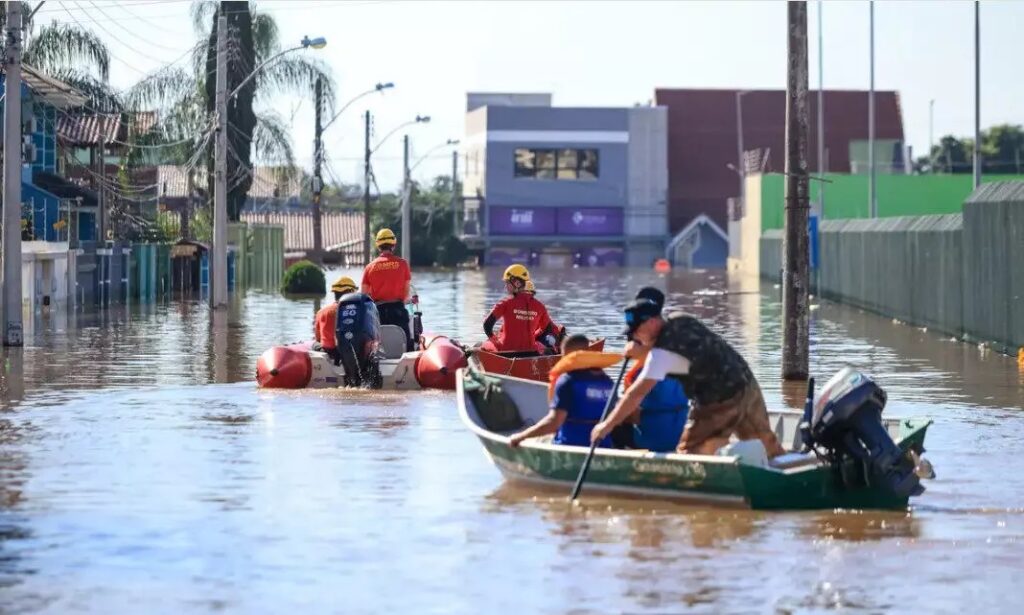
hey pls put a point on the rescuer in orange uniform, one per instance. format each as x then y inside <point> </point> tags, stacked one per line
<point>387,281</point>
<point>522,317</point>
<point>326,319</point>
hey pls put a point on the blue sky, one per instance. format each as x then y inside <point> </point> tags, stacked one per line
<point>590,54</point>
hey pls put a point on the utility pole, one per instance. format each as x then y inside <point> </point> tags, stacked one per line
<point>406,202</point>
<point>931,136</point>
<point>977,93</point>
<point>821,112</point>
<point>796,254</point>
<point>741,167</point>
<point>219,261</point>
<point>11,281</point>
<point>318,179</point>
<point>872,199</point>
<point>455,195</point>
<point>101,194</point>
<point>366,193</point>
<point>186,214</point>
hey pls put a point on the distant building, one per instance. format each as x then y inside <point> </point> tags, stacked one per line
<point>564,186</point>
<point>704,143</point>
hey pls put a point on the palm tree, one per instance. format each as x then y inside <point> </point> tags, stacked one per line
<point>70,54</point>
<point>186,97</point>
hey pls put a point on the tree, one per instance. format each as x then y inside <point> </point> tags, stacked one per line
<point>432,242</point>
<point>186,98</point>
<point>951,155</point>
<point>1001,148</point>
<point>70,54</point>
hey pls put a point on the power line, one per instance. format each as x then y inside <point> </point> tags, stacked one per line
<point>131,32</point>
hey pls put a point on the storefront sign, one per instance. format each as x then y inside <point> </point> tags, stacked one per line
<point>589,221</point>
<point>521,221</point>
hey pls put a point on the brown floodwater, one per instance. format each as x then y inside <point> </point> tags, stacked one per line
<point>141,470</point>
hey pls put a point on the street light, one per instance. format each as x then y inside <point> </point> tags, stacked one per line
<point>219,257</point>
<point>306,43</point>
<point>380,87</point>
<point>420,119</point>
<point>431,151</point>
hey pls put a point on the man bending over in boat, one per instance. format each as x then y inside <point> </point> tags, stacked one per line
<point>326,318</point>
<point>723,392</point>
<point>521,317</point>
<point>659,423</point>
<point>577,397</point>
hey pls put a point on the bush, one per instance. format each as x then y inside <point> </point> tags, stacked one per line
<point>304,278</point>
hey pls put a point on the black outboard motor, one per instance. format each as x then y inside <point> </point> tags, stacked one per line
<point>847,422</point>
<point>357,333</point>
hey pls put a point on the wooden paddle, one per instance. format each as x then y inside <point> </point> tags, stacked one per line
<point>593,445</point>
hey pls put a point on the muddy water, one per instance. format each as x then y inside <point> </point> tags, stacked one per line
<point>142,471</point>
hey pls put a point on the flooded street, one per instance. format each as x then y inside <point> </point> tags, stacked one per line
<point>141,470</point>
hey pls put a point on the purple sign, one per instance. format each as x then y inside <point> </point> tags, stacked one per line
<point>522,221</point>
<point>589,221</point>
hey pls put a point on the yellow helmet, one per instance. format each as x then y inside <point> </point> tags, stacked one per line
<point>385,236</point>
<point>516,271</point>
<point>344,284</point>
<point>530,288</point>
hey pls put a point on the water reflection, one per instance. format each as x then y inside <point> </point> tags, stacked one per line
<point>139,465</point>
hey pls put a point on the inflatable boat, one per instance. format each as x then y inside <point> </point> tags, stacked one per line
<point>368,355</point>
<point>299,366</point>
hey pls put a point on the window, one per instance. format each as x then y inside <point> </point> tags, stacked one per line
<point>561,164</point>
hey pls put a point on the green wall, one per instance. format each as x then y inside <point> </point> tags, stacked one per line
<point>898,195</point>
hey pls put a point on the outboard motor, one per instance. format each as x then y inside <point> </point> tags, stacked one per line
<point>357,334</point>
<point>847,421</point>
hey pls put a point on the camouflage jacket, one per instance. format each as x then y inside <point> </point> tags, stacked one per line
<point>717,371</point>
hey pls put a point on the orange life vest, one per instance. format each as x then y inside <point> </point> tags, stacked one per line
<point>581,359</point>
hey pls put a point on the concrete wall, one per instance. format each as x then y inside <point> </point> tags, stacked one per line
<point>962,274</point>
<point>994,264</point>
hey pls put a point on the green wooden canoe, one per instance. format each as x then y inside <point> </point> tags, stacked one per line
<point>494,406</point>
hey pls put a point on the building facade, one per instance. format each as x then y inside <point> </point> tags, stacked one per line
<point>564,186</point>
<point>708,128</point>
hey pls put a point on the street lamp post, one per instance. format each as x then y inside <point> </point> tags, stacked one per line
<point>218,274</point>
<point>318,158</point>
<point>368,152</point>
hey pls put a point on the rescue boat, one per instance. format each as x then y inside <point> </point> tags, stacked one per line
<point>529,368</point>
<point>299,366</point>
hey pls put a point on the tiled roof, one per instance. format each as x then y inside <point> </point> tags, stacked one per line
<point>86,129</point>
<point>171,180</point>
<point>268,182</point>
<point>338,228</point>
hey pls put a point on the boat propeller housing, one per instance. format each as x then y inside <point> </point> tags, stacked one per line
<point>847,423</point>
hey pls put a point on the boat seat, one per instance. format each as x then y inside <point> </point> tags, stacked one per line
<point>749,452</point>
<point>793,460</point>
<point>392,341</point>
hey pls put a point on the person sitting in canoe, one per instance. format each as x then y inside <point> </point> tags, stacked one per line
<point>326,318</point>
<point>521,315</point>
<point>659,423</point>
<point>724,394</point>
<point>577,396</point>
<point>551,337</point>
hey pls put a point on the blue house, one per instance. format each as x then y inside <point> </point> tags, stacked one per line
<point>52,207</point>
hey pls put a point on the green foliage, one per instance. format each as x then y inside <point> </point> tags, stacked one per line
<point>1002,148</point>
<point>304,278</point>
<point>432,242</point>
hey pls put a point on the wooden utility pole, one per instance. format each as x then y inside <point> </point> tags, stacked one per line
<point>218,275</point>
<point>796,253</point>
<point>318,179</point>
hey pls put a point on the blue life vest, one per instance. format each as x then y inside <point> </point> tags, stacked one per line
<point>663,415</point>
<point>583,394</point>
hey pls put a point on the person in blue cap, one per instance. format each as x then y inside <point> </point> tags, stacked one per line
<point>663,412</point>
